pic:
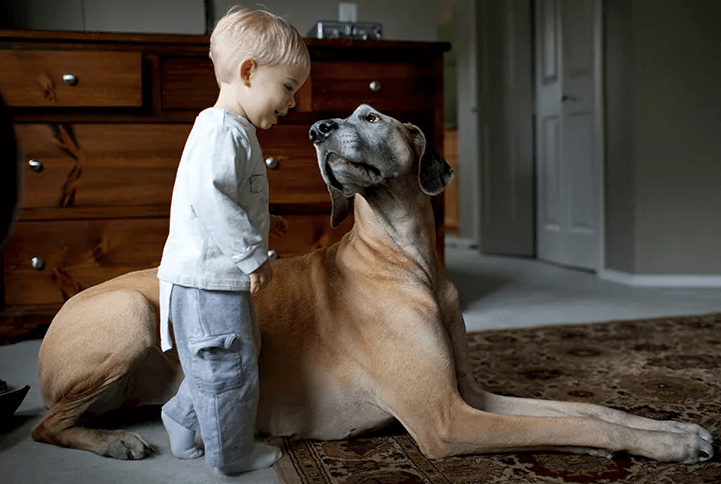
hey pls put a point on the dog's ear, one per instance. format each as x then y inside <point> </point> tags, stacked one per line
<point>434,174</point>
<point>342,206</point>
<point>418,139</point>
<point>433,171</point>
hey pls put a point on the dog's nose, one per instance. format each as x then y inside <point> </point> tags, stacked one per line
<point>320,130</point>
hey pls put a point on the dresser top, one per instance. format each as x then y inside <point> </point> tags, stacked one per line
<point>198,40</point>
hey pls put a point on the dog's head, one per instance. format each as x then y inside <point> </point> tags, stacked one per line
<point>367,150</point>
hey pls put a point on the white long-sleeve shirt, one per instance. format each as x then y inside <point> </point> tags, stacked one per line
<point>219,221</point>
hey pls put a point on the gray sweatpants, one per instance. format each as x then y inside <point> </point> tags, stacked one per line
<point>215,336</point>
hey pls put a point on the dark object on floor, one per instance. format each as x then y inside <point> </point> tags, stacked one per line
<point>667,368</point>
<point>10,400</point>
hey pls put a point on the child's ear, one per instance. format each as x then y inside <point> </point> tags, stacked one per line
<point>246,71</point>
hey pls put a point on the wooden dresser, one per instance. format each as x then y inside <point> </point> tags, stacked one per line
<point>103,119</point>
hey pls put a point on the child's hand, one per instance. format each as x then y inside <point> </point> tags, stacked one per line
<point>261,277</point>
<point>278,226</point>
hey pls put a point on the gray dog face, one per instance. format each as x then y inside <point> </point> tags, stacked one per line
<point>368,149</point>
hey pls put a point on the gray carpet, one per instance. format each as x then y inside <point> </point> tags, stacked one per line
<point>24,461</point>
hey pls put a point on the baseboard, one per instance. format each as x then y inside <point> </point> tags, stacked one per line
<point>460,242</point>
<point>681,280</point>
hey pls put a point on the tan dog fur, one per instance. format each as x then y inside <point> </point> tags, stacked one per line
<point>353,336</point>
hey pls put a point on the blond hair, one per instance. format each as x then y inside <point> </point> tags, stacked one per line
<point>262,36</point>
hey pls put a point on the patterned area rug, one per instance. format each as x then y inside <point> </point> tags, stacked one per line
<point>666,368</point>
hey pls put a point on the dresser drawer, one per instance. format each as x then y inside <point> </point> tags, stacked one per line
<point>308,232</point>
<point>388,87</point>
<point>189,84</point>
<point>293,172</point>
<point>99,79</point>
<point>97,165</point>
<point>46,263</point>
<point>100,165</point>
<point>74,255</point>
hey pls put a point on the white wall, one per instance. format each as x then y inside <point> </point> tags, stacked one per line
<point>44,14</point>
<point>664,156</point>
<point>401,19</point>
<point>160,16</point>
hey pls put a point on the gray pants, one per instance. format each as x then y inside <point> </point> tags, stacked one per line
<point>215,336</point>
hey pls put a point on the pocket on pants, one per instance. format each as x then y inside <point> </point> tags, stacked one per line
<point>216,362</point>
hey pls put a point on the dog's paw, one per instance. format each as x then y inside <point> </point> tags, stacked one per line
<point>126,446</point>
<point>701,450</point>
<point>707,438</point>
<point>690,444</point>
<point>691,428</point>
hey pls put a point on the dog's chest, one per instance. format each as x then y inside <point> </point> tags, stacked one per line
<point>349,418</point>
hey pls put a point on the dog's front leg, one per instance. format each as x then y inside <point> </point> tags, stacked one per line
<point>456,329</point>
<point>480,399</point>
<point>513,406</point>
<point>549,408</point>
<point>460,429</point>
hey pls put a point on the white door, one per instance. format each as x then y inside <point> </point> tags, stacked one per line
<point>569,143</point>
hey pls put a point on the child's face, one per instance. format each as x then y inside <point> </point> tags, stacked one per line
<point>271,93</point>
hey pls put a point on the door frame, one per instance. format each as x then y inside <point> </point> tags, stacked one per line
<point>474,154</point>
<point>600,127</point>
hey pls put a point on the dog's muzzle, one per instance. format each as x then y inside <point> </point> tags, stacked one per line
<point>320,131</point>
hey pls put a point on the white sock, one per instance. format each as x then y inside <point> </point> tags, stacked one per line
<point>262,457</point>
<point>182,440</point>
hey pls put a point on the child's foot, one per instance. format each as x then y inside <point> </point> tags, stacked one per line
<point>263,456</point>
<point>182,440</point>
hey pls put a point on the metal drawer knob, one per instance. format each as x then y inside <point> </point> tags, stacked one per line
<point>36,166</point>
<point>37,263</point>
<point>272,255</point>
<point>271,162</point>
<point>70,79</point>
<point>375,86</point>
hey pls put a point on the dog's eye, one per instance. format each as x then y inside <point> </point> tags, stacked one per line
<point>372,118</point>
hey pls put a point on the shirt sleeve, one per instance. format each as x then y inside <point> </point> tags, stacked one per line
<point>217,175</point>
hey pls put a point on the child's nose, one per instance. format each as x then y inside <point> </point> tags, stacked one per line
<point>292,102</point>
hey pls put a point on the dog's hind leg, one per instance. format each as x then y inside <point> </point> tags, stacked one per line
<point>62,425</point>
<point>89,364</point>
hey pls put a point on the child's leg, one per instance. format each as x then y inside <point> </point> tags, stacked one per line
<point>182,437</point>
<point>178,414</point>
<point>262,457</point>
<point>224,382</point>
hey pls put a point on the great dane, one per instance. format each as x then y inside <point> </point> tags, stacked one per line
<point>353,336</point>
